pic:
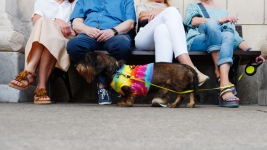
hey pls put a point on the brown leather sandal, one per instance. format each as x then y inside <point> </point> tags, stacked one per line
<point>20,77</point>
<point>41,93</point>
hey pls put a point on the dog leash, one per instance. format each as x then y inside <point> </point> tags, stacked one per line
<point>183,92</point>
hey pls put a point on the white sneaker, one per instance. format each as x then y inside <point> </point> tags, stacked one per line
<point>157,102</point>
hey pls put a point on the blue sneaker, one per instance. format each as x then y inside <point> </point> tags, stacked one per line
<point>103,96</point>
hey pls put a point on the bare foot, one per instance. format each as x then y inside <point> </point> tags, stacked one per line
<point>19,83</point>
<point>23,80</point>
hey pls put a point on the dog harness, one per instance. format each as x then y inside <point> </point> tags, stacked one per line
<point>140,72</point>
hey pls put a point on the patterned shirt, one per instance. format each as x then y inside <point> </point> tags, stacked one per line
<point>139,82</point>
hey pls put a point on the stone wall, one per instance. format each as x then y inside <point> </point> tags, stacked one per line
<point>15,28</point>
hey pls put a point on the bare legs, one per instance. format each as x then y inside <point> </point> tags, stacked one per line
<point>185,59</point>
<point>42,59</point>
<point>222,72</point>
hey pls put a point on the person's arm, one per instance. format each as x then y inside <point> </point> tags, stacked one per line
<point>122,28</point>
<point>35,18</point>
<point>244,47</point>
<point>125,27</point>
<point>149,15</point>
<point>79,27</point>
<point>196,21</point>
<point>39,12</point>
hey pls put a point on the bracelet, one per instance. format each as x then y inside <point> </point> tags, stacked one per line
<point>248,49</point>
<point>115,31</point>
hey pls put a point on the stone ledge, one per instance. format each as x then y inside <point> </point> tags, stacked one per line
<point>11,95</point>
<point>11,63</point>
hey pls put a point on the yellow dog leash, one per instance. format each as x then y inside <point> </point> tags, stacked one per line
<point>182,92</point>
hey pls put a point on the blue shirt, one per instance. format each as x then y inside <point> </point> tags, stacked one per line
<point>104,14</point>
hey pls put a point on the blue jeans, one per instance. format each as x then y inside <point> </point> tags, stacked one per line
<point>118,46</point>
<point>214,37</point>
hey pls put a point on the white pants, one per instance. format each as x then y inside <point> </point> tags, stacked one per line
<point>165,34</point>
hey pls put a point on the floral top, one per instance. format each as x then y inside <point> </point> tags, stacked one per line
<point>193,10</point>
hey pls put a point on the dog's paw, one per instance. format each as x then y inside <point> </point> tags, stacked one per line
<point>129,104</point>
<point>121,104</point>
<point>172,105</point>
<point>189,105</point>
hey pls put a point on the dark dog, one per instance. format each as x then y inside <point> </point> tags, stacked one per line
<point>177,77</point>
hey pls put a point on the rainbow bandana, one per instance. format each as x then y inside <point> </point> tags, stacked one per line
<point>140,72</point>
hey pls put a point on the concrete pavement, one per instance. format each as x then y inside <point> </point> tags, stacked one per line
<point>25,126</point>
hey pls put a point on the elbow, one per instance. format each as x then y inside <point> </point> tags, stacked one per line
<point>193,23</point>
<point>74,26</point>
<point>131,26</point>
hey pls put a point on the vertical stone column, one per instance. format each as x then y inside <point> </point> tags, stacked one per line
<point>262,93</point>
<point>12,43</point>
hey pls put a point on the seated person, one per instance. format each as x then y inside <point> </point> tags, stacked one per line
<point>46,47</point>
<point>216,35</point>
<point>102,27</point>
<point>165,34</point>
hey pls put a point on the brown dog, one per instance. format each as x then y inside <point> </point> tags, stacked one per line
<point>177,77</point>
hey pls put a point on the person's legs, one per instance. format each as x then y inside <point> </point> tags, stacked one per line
<point>120,48</point>
<point>225,61</point>
<point>213,31</point>
<point>45,67</point>
<point>171,17</point>
<point>163,45</point>
<point>78,46</point>
<point>33,61</point>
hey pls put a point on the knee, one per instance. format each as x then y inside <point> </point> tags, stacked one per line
<point>213,24</point>
<point>121,43</point>
<point>120,48</point>
<point>71,46</point>
<point>228,36</point>
<point>172,11</point>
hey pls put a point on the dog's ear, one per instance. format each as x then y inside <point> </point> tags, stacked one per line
<point>99,62</point>
<point>120,63</point>
<point>87,72</point>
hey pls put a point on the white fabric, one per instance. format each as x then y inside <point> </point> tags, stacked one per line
<point>52,9</point>
<point>165,34</point>
<point>148,7</point>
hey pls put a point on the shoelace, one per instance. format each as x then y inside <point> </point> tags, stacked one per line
<point>104,93</point>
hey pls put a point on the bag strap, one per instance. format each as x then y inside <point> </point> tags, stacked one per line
<point>204,11</point>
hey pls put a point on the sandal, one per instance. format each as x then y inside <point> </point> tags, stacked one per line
<point>41,93</point>
<point>230,101</point>
<point>232,87</point>
<point>20,77</point>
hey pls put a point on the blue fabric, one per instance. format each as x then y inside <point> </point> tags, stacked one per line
<point>104,13</point>
<point>193,10</point>
<point>215,37</point>
<point>118,46</point>
<point>204,11</point>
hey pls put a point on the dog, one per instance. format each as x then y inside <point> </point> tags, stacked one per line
<point>177,77</point>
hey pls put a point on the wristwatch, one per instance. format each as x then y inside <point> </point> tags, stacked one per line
<point>115,31</point>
